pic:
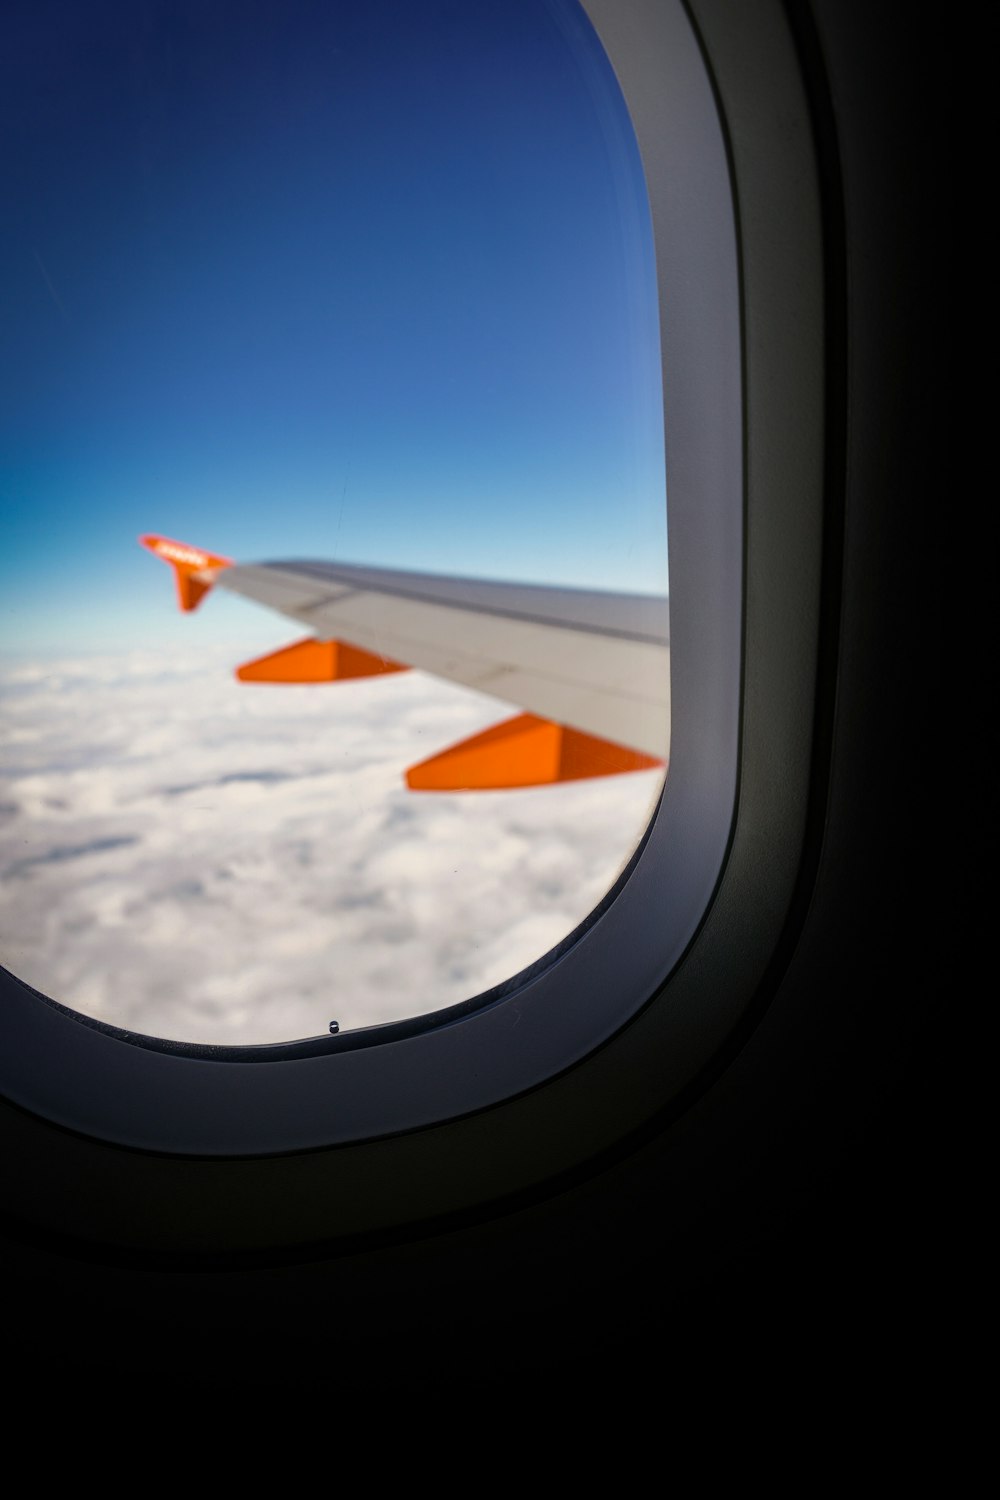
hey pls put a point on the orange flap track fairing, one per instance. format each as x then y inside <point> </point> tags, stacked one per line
<point>310,660</point>
<point>524,751</point>
<point>194,570</point>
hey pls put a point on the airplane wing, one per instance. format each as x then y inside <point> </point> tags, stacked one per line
<point>591,669</point>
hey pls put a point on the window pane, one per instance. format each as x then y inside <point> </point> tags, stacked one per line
<point>370,285</point>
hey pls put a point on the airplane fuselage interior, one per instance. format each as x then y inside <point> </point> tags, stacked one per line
<point>698,1141</point>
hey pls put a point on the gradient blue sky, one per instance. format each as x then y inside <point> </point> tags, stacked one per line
<point>309,279</point>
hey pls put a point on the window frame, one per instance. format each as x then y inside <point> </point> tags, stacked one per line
<point>625,1020</point>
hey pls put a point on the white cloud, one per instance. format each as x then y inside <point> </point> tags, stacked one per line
<point>195,858</point>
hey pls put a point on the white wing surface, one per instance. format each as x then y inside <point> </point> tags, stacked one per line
<point>598,662</point>
<point>595,663</point>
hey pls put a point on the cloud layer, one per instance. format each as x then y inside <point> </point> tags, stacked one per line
<point>210,861</point>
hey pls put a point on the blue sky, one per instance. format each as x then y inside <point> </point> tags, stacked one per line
<point>311,280</point>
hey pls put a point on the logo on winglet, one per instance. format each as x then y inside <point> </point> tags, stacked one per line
<point>181,554</point>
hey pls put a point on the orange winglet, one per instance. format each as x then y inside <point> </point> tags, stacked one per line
<point>310,660</point>
<point>524,751</point>
<point>194,570</point>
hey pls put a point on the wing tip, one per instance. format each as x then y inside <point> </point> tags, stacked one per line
<point>195,569</point>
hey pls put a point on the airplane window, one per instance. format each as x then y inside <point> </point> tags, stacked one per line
<point>351,313</point>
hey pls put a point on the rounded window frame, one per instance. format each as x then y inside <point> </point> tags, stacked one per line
<point>595,1042</point>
